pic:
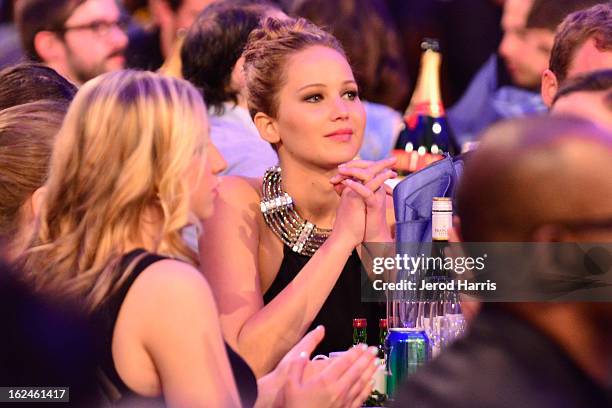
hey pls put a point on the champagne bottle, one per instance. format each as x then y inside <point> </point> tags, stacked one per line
<point>426,134</point>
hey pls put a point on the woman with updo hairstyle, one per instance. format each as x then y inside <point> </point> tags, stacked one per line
<point>280,252</point>
<point>131,167</point>
<point>27,133</point>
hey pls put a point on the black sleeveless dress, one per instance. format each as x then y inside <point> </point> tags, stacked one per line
<point>341,306</point>
<point>105,318</point>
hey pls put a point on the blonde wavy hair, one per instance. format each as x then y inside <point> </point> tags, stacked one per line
<point>123,151</point>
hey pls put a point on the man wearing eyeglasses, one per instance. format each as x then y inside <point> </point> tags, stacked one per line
<point>80,39</point>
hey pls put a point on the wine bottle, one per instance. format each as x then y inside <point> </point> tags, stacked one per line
<point>426,135</point>
<point>449,304</point>
<point>435,276</point>
<point>441,223</point>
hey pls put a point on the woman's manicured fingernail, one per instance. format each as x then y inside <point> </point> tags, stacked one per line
<point>303,355</point>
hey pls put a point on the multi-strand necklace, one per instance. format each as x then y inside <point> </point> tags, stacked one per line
<point>299,234</point>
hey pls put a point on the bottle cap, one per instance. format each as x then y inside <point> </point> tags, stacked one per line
<point>442,204</point>
<point>360,323</point>
<point>382,323</point>
<point>430,44</point>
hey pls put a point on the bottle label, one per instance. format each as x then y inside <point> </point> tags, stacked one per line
<point>424,108</point>
<point>441,223</point>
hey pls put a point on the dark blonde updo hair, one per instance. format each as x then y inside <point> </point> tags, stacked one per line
<point>266,54</point>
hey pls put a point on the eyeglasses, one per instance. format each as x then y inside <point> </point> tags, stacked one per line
<point>100,28</point>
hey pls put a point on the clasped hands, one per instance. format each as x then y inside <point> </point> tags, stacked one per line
<point>361,185</point>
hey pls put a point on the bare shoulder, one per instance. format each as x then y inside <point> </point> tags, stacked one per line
<point>174,285</point>
<point>166,299</point>
<point>244,189</point>
<point>170,307</point>
<point>236,205</point>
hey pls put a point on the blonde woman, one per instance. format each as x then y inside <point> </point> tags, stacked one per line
<point>283,258</point>
<point>131,167</point>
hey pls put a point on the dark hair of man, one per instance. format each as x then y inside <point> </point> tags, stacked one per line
<point>31,82</point>
<point>34,16</point>
<point>595,81</point>
<point>367,33</point>
<point>548,14</point>
<point>215,42</point>
<point>578,27</point>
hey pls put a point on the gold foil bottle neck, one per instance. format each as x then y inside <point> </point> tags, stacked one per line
<point>426,98</point>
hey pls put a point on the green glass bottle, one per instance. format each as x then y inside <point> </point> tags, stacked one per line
<point>360,333</point>
<point>382,335</point>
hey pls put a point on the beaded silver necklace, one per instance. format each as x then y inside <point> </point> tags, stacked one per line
<point>299,234</point>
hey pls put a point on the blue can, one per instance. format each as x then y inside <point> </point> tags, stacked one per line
<point>407,350</point>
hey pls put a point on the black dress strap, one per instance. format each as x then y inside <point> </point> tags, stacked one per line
<point>117,298</point>
<point>105,319</point>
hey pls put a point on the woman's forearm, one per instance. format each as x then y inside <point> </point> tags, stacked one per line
<point>269,333</point>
